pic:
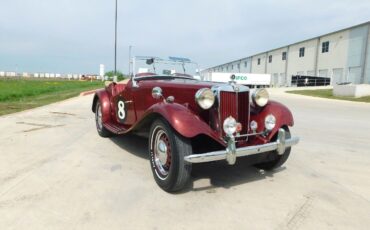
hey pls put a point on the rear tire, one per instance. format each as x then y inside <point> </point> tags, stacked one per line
<point>279,160</point>
<point>167,150</point>
<point>102,131</point>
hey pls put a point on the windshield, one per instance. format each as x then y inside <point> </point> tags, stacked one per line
<point>173,66</point>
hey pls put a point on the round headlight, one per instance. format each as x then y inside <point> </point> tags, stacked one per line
<point>205,98</point>
<point>270,122</point>
<point>230,126</point>
<point>260,97</point>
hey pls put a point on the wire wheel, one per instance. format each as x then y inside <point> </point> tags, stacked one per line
<point>102,131</point>
<point>98,117</point>
<point>161,149</point>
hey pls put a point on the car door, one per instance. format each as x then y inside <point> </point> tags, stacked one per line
<point>123,105</point>
<point>143,96</point>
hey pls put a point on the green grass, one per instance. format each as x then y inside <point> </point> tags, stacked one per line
<point>328,93</point>
<point>21,94</point>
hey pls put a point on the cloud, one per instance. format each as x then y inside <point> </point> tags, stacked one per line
<point>77,36</point>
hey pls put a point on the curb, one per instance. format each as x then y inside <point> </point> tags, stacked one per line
<point>88,92</point>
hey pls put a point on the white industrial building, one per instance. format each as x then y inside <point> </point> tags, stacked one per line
<point>342,56</point>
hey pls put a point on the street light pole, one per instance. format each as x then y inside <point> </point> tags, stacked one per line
<point>129,59</point>
<point>115,41</point>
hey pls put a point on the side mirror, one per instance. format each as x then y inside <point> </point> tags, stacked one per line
<point>157,93</point>
<point>166,72</point>
<point>150,61</point>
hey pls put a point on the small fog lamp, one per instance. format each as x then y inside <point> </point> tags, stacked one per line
<point>254,125</point>
<point>230,126</point>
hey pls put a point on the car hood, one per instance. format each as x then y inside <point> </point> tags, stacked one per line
<point>180,83</point>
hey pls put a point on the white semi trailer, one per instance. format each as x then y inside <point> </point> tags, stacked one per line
<point>249,79</point>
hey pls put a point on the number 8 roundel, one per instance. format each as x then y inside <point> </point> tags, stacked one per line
<point>121,110</point>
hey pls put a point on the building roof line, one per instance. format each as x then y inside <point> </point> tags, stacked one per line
<point>292,44</point>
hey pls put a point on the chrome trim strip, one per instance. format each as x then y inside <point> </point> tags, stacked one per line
<point>231,153</point>
<point>237,105</point>
<point>230,88</point>
<point>250,134</point>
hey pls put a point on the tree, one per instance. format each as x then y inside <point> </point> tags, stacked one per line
<point>120,75</point>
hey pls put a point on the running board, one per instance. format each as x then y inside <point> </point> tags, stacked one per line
<point>115,128</point>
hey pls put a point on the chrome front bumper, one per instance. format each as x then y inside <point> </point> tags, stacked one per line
<point>231,152</point>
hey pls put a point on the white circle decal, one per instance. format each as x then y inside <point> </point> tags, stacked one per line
<point>121,110</point>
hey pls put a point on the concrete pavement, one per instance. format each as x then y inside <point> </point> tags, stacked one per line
<point>57,173</point>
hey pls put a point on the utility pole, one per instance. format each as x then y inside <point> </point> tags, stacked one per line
<point>129,60</point>
<point>115,41</point>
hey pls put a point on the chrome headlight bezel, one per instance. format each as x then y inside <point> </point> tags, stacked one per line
<point>205,98</point>
<point>270,122</point>
<point>260,97</point>
<point>230,126</point>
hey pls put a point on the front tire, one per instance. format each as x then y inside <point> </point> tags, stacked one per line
<point>278,160</point>
<point>102,131</point>
<point>167,150</point>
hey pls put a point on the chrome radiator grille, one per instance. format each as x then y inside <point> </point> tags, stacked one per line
<point>235,104</point>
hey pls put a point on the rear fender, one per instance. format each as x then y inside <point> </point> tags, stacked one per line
<point>104,99</point>
<point>183,120</point>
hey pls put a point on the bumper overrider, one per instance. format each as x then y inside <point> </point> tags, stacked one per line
<point>231,152</point>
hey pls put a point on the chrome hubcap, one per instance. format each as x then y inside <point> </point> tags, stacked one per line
<point>99,121</point>
<point>161,153</point>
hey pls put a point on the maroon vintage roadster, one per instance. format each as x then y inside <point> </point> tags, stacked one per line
<point>189,121</point>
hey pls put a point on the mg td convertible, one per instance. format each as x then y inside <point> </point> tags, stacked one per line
<point>189,121</point>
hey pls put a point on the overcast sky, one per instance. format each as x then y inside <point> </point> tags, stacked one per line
<point>64,36</point>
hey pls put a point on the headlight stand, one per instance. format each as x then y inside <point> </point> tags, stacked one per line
<point>231,150</point>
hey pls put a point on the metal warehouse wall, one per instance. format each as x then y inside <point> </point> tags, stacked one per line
<point>347,60</point>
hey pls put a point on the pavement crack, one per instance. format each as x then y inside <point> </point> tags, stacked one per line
<point>300,214</point>
<point>345,188</point>
<point>63,113</point>
<point>38,126</point>
<point>24,170</point>
<point>29,123</point>
<point>24,198</point>
<point>45,127</point>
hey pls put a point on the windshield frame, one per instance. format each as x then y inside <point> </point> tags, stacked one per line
<point>156,60</point>
<point>162,77</point>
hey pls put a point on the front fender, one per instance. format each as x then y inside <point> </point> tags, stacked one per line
<point>103,97</point>
<point>282,114</point>
<point>183,120</point>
